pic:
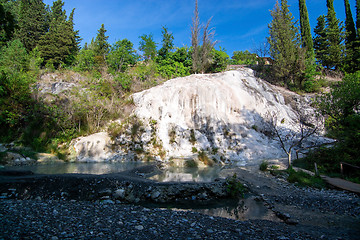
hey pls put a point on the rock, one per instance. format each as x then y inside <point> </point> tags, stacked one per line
<point>108,201</point>
<point>225,110</point>
<point>119,193</point>
<point>155,195</point>
<point>139,227</point>
<point>2,148</point>
<point>105,192</point>
<point>93,148</point>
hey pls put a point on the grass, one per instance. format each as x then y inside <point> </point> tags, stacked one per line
<point>300,178</point>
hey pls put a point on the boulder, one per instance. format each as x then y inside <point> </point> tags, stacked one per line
<point>93,148</point>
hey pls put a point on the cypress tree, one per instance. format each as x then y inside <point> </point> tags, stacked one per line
<point>350,39</point>
<point>320,40</point>
<point>334,33</point>
<point>357,42</point>
<point>358,18</point>
<point>284,43</point>
<point>305,28</point>
<point>349,24</point>
<point>32,22</point>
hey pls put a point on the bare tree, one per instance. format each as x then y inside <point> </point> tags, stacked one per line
<point>208,44</point>
<point>305,126</point>
<point>261,50</point>
<point>201,55</point>
<point>195,34</point>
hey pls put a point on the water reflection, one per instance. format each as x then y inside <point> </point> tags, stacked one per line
<point>182,174</point>
<point>245,209</point>
<point>81,168</point>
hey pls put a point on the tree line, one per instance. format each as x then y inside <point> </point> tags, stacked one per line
<point>298,57</point>
<point>36,38</point>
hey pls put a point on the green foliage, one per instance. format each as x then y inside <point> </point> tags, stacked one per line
<point>341,107</point>
<point>219,61</point>
<point>121,56</point>
<point>7,24</point>
<point>191,163</point>
<point>60,44</point>
<point>303,179</point>
<point>333,56</point>
<point>234,187</point>
<point>32,22</point>
<point>264,166</point>
<point>147,46</point>
<point>167,43</point>
<point>124,80</point>
<point>177,64</point>
<point>194,150</point>
<point>284,43</point>
<point>101,46</point>
<point>85,60</point>
<point>243,58</point>
<point>320,40</point>
<point>305,28</point>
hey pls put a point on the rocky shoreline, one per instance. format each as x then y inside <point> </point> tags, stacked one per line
<point>302,213</point>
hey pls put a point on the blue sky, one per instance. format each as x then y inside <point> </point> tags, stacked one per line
<point>239,24</point>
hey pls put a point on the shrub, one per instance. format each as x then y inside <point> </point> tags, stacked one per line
<point>234,187</point>
<point>191,163</point>
<point>203,157</point>
<point>192,137</point>
<point>264,166</point>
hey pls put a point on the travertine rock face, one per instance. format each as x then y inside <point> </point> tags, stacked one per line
<point>221,113</point>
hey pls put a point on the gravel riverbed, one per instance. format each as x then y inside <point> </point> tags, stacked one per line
<point>302,214</point>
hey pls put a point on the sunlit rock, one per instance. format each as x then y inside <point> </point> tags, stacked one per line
<point>93,148</point>
<point>223,114</point>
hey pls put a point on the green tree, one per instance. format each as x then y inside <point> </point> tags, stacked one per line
<point>244,58</point>
<point>334,33</point>
<point>7,25</point>
<point>59,45</point>
<point>305,28</point>
<point>220,61</point>
<point>147,46</point>
<point>86,59</point>
<point>320,40</point>
<point>122,55</point>
<point>350,40</point>
<point>358,18</point>
<point>32,22</point>
<point>284,41</point>
<point>101,45</point>
<point>167,43</point>
<point>341,107</point>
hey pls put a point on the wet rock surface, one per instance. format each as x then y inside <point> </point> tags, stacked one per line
<point>55,213</point>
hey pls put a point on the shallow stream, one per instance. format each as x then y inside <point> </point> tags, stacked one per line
<point>244,209</point>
